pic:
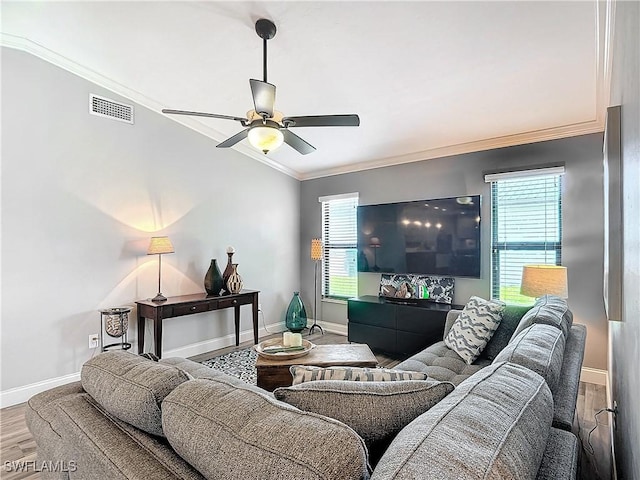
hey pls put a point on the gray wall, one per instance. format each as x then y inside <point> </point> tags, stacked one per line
<point>82,195</point>
<point>624,355</point>
<point>463,174</point>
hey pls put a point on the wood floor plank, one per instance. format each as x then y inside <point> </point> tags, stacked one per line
<point>17,444</point>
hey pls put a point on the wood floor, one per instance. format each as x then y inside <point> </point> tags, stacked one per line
<point>17,444</point>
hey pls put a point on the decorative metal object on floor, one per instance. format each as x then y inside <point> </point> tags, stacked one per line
<point>296,319</point>
<point>240,364</point>
<point>213,283</point>
<point>115,323</point>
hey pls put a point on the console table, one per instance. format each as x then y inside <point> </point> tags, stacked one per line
<point>395,327</point>
<point>190,304</point>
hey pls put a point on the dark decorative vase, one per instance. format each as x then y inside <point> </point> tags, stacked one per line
<point>213,283</point>
<point>296,320</point>
<point>234,283</point>
<point>228,271</point>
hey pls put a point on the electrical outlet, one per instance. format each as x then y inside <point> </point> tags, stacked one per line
<point>94,339</point>
<point>259,307</point>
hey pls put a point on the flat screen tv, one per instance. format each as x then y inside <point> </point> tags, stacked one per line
<point>435,237</point>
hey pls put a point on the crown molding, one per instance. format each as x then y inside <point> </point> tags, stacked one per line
<point>42,52</point>
<point>584,128</point>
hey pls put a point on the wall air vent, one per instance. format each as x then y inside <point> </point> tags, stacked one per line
<point>103,107</point>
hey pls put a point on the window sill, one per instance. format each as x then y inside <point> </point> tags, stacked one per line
<point>335,300</point>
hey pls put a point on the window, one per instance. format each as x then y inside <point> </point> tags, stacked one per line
<point>340,238</point>
<point>526,227</point>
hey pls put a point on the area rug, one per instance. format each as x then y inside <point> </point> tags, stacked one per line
<point>240,364</point>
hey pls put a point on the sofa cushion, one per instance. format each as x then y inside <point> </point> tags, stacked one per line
<point>228,431</point>
<point>539,348</point>
<point>474,327</point>
<point>510,319</point>
<point>130,387</point>
<point>200,371</point>
<point>441,363</point>
<point>304,373</point>
<point>548,310</point>
<point>494,425</point>
<point>375,410</point>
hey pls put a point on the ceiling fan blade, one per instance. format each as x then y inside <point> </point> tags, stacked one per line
<point>264,96</point>
<point>202,114</point>
<point>296,142</point>
<point>231,141</point>
<point>322,121</point>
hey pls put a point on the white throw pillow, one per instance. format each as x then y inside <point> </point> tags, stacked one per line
<point>474,327</point>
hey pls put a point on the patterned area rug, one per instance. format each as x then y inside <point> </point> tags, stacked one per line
<point>241,364</point>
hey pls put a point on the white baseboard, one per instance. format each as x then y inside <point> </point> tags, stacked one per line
<point>14,396</point>
<point>593,375</point>
<point>330,327</point>
<point>221,342</point>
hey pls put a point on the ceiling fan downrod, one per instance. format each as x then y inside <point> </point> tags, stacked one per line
<point>266,30</point>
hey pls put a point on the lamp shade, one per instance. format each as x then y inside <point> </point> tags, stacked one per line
<point>539,280</point>
<point>316,249</point>
<point>159,245</point>
<point>265,138</point>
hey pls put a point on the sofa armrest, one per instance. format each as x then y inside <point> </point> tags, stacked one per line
<point>452,315</point>
<point>561,457</point>
<point>567,394</point>
<point>101,446</point>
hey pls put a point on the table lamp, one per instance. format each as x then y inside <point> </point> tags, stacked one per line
<point>158,246</point>
<point>539,280</point>
<point>316,256</point>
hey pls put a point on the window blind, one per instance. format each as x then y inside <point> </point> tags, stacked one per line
<point>340,238</point>
<point>526,228</point>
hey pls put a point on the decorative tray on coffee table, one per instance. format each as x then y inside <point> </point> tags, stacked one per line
<point>263,349</point>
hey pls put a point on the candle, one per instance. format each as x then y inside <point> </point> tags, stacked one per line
<point>296,339</point>
<point>286,339</point>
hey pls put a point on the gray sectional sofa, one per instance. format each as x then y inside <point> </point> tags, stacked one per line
<point>132,418</point>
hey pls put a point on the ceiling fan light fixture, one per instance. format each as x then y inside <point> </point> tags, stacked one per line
<point>265,138</point>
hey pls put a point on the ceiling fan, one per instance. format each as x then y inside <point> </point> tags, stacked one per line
<point>266,127</point>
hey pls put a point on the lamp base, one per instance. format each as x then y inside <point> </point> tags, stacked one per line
<point>159,298</point>
<point>314,326</point>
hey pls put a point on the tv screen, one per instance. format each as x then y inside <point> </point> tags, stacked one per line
<point>438,237</point>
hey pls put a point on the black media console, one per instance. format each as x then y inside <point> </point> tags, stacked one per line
<point>396,327</point>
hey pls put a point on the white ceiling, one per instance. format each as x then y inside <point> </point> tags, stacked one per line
<point>428,79</point>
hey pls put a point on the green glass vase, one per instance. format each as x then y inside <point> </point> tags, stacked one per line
<point>296,319</point>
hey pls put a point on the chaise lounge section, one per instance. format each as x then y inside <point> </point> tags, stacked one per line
<point>442,363</point>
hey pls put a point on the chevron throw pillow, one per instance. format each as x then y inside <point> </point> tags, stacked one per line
<point>474,327</point>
